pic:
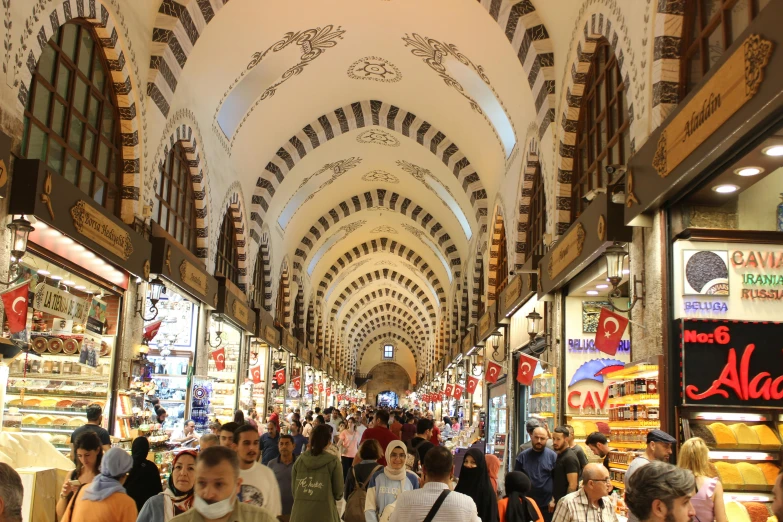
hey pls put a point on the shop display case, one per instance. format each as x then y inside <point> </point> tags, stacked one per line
<point>542,401</point>
<point>497,426</point>
<point>223,400</point>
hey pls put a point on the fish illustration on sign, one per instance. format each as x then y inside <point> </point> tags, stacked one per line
<point>596,369</point>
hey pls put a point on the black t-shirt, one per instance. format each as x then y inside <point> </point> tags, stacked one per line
<point>566,463</point>
<point>580,454</point>
<point>606,462</point>
<point>102,433</point>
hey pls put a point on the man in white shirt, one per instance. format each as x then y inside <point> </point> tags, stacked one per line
<point>186,436</point>
<point>259,484</point>
<point>435,494</point>
<point>590,501</point>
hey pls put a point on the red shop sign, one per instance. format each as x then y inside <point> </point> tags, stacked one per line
<point>732,363</point>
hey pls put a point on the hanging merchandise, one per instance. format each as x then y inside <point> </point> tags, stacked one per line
<point>493,372</point>
<point>526,369</point>
<point>609,332</point>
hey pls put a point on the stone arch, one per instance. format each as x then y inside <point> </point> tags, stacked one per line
<point>368,326</point>
<point>531,165</point>
<point>232,205</point>
<point>668,27</point>
<point>464,304</point>
<point>499,236</point>
<point>384,336</point>
<point>422,327</point>
<point>376,296</point>
<point>478,290</point>
<point>298,313</point>
<point>184,134</point>
<point>359,115</point>
<point>596,26</point>
<point>372,199</point>
<point>284,294</point>
<point>370,247</point>
<point>104,23</point>
<point>530,41</point>
<point>263,262</point>
<point>378,275</point>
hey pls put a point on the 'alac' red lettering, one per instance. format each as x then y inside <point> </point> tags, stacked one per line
<point>738,380</point>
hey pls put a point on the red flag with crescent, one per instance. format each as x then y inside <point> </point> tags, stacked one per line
<point>15,305</point>
<point>255,374</point>
<point>151,330</point>
<point>329,391</point>
<point>280,376</point>
<point>449,390</point>
<point>493,372</point>
<point>611,327</point>
<point>320,387</point>
<point>458,391</point>
<point>297,382</point>
<point>472,384</point>
<point>526,369</point>
<point>310,389</point>
<point>219,356</point>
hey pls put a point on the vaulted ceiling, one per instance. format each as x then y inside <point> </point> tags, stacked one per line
<point>369,138</point>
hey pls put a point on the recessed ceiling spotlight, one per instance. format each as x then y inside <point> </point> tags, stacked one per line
<point>601,287</point>
<point>592,292</point>
<point>44,272</point>
<point>68,282</point>
<point>81,288</point>
<point>57,278</point>
<point>748,171</point>
<point>774,150</point>
<point>725,189</point>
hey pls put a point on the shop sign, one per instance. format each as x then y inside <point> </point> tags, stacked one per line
<point>467,343</point>
<point>60,303</point>
<point>193,277</point>
<point>736,82</point>
<point>566,251</point>
<point>694,307</point>
<point>510,294</point>
<point>731,363</point>
<point>270,333</point>
<point>91,223</point>
<point>588,400</point>
<point>588,346</point>
<point>487,322</point>
<point>757,285</point>
<point>240,312</point>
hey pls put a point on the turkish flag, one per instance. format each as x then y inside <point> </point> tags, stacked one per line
<point>219,356</point>
<point>449,390</point>
<point>340,397</point>
<point>457,391</point>
<point>329,391</point>
<point>255,373</point>
<point>493,372</point>
<point>611,327</point>
<point>526,369</point>
<point>15,304</point>
<point>151,330</point>
<point>472,384</point>
<point>297,382</point>
<point>310,389</point>
<point>320,387</point>
<point>280,376</point>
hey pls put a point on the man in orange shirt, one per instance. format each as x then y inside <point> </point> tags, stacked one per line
<point>396,426</point>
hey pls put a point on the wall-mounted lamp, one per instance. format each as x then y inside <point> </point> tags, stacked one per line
<point>20,230</point>
<point>218,318</point>
<point>475,367</point>
<point>533,323</point>
<point>156,289</point>
<point>615,261</point>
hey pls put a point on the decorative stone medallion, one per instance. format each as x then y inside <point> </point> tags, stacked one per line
<point>374,68</point>
<point>378,137</point>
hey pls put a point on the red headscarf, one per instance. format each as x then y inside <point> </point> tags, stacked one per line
<point>493,467</point>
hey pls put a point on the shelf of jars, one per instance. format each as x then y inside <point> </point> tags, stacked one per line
<point>542,402</point>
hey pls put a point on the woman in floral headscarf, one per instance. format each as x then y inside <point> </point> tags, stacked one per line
<point>178,497</point>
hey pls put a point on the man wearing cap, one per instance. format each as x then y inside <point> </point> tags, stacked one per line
<point>659,447</point>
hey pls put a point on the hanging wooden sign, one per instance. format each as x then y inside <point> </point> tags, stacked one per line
<point>736,82</point>
<point>567,250</point>
<point>91,223</point>
<point>193,277</point>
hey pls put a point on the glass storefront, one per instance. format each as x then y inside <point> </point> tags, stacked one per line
<point>223,368</point>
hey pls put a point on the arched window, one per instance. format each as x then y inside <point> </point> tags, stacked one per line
<point>710,27</point>
<point>71,120</point>
<point>602,136</point>
<point>536,223</point>
<point>175,204</point>
<point>227,262</point>
<point>259,282</point>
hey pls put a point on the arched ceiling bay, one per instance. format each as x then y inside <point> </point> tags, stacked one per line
<point>366,137</point>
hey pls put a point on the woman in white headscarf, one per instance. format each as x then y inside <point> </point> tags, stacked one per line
<point>104,499</point>
<point>387,484</point>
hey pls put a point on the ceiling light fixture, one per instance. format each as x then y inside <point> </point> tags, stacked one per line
<point>56,278</point>
<point>748,171</point>
<point>592,292</point>
<point>774,150</point>
<point>725,189</point>
<point>601,287</point>
<point>80,288</point>
<point>44,272</point>
<point>68,282</point>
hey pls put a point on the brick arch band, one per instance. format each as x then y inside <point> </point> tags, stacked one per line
<point>669,20</point>
<point>389,319</point>
<point>232,204</point>
<point>532,165</point>
<point>422,328</point>
<point>498,235</point>
<point>366,345</point>
<point>368,248</point>
<point>356,116</point>
<point>597,27</point>
<point>386,274</point>
<point>373,297</point>
<point>266,267</point>
<point>399,294</point>
<point>94,12</point>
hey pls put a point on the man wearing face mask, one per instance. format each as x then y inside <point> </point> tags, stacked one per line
<point>217,486</point>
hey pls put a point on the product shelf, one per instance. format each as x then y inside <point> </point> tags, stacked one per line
<point>651,399</point>
<point>618,485</point>
<point>632,372</point>
<point>629,445</point>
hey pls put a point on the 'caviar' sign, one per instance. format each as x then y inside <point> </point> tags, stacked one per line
<point>732,363</point>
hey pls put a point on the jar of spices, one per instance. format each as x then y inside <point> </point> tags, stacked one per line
<point>652,413</point>
<point>652,385</point>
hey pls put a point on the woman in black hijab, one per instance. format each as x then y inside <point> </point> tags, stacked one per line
<point>516,507</point>
<point>143,480</point>
<point>474,482</point>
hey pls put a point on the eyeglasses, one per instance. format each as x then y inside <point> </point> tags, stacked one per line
<point>607,480</point>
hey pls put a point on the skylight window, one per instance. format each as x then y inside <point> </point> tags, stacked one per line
<point>388,351</point>
<point>485,97</point>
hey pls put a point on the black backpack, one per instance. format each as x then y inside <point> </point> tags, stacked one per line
<point>412,460</point>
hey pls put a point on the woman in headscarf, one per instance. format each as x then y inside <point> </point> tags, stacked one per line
<point>144,479</point>
<point>517,507</point>
<point>387,484</point>
<point>474,482</point>
<point>104,499</point>
<point>493,467</point>
<point>178,497</point>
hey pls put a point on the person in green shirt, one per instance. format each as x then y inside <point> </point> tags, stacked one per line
<point>317,480</point>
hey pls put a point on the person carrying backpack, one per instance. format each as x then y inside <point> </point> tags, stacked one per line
<point>385,486</point>
<point>419,445</point>
<point>357,479</point>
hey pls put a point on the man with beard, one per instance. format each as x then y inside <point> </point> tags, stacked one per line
<point>565,477</point>
<point>659,447</point>
<point>599,445</point>
<point>259,484</point>
<point>217,485</point>
<point>269,443</point>
<point>282,467</point>
<point>660,492</point>
<point>538,463</point>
